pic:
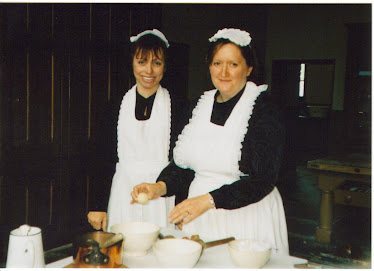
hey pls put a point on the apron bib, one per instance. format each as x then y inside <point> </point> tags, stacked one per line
<point>143,148</point>
<point>213,152</point>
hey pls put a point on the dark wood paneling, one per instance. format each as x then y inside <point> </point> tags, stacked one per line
<point>64,63</point>
<point>39,100</point>
<point>41,202</point>
<point>16,98</point>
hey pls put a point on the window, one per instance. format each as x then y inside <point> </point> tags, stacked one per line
<point>302,80</point>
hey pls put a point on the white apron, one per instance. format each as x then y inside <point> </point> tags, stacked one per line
<point>143,148</point>
<point>213,152</point>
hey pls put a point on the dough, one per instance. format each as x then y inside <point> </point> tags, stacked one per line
<point>142,198</point>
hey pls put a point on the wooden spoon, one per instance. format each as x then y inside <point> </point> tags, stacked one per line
<point>196,238</point>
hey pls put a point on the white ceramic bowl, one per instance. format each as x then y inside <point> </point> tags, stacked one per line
<point>177,253</point>
<point>139,237</point>
<point>249,253</point>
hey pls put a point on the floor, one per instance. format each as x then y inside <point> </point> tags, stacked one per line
<point>351,237</point>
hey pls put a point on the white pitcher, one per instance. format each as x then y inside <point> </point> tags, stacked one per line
<point>25,248</point>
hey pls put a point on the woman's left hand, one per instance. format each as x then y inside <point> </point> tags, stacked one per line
<point>189,209</point>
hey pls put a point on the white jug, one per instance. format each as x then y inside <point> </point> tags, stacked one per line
<point>25,248</point>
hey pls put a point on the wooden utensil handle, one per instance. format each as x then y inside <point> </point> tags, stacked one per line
<point>218,242</point>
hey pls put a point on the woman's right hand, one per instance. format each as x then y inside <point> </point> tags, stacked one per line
<point>153,190</point>
<point>98,220</point>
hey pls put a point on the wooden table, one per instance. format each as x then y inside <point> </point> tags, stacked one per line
<point>342,180</point>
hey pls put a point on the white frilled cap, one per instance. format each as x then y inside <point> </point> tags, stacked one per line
<point>155,32</point>
<point>237,36</point>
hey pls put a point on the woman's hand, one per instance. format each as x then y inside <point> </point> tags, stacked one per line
<point>98,220</point>
<point>153,190</point>
<point>189,209</point>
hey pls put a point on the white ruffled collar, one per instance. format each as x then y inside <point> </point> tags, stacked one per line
<point>238,122</point>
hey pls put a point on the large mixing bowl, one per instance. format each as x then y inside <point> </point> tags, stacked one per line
<point>249,253</point>
<point>177,253</point>
<point>139,237</point>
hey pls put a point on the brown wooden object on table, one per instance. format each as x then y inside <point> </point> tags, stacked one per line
<point>206,245</point>
<point>197,239</point>
<point>342,180</point>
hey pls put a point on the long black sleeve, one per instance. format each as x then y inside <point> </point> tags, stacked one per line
<point>177,181</point>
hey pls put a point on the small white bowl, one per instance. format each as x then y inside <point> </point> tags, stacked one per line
<point>249,253</point>
<point>139,237</point>
<point>177,253</point>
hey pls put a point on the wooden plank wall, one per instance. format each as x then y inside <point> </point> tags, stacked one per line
<point>60,64</point>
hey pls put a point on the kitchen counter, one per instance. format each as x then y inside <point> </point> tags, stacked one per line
<point>215,257</point>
